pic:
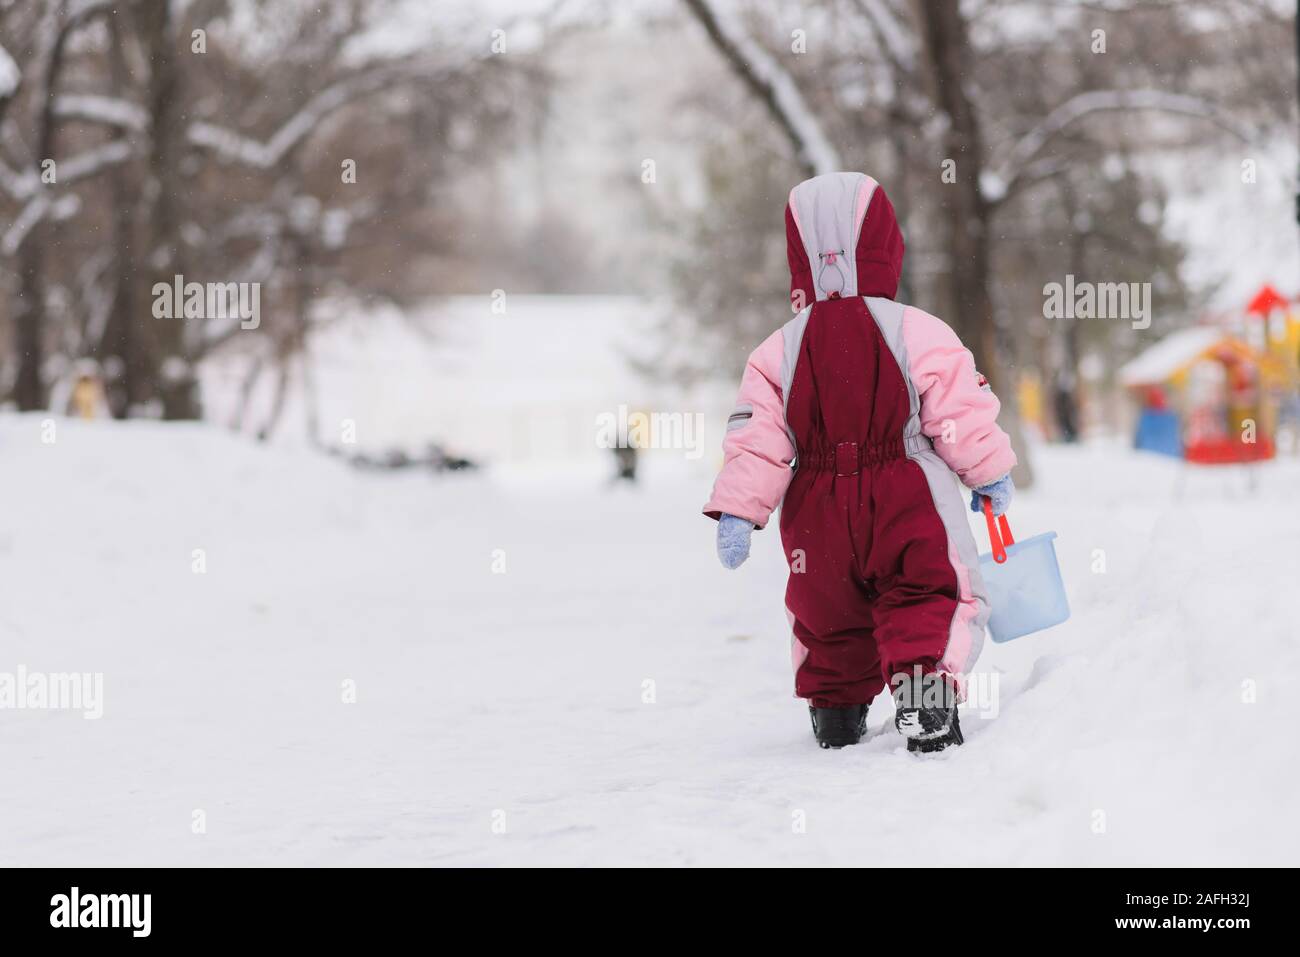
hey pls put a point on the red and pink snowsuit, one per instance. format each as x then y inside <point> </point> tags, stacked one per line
<point>853,417</point>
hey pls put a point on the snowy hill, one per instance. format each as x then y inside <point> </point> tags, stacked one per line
<point>519,699</point>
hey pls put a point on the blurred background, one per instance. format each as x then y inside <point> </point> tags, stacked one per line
<point>364,366</point>
<point>479,225</point>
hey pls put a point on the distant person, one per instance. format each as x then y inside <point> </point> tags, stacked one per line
<point>625,460</point>
<point>1065,404</point>
<point>853,417</point>
<point>87,398</point>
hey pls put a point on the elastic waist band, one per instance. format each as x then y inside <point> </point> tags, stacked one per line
<point>849,458</point>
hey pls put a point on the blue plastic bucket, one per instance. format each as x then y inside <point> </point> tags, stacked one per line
<point>1024,584</point>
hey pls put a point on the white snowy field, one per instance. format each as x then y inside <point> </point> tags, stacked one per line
<point>500,718</point>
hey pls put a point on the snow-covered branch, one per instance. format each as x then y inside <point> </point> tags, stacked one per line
<point>9,74</point>
<point>237,147</point>
<point>20,186</point>
<point>40,203</point>
<point>892,36</point>
<point>24,185</point>
<point>1011,172</point>
<point>38,209</point>
<point>93,161</point>
<point>108,110</point>
<point>773,85</point>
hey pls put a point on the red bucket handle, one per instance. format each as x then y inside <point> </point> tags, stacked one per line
<point>999,542</point>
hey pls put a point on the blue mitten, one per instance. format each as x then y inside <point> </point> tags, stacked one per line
<point>998,492</point>
<point>733,540</point>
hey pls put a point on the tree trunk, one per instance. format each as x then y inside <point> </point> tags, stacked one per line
<point>175,377</point>
<point>30,391</point>
<point>948,55</point>
<point>278,401</point>
<point>29,326</point>
<point>963,204</point>
<point>246,389</point>
<point>1066,380</point>
<point>122,340</point>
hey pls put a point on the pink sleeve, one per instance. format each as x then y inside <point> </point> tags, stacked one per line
<point>958,409</point>
<point>757,451</point>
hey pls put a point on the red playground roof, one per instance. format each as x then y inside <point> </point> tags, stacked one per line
<point>1266,300</point>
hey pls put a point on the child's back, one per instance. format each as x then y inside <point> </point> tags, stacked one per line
<point>856,414</point>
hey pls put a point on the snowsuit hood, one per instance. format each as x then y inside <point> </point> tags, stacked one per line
<point>842,239</point>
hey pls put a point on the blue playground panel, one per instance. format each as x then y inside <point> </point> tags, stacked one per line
<point>1159,432</point>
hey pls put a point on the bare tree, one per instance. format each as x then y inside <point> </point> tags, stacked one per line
<point>773,86</point>
<point>248,185</point>
<point>56,24</point>
<point>1006,126</point>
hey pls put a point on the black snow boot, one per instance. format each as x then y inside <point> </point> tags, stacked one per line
<point>926,713</point>
<point>837,727</point>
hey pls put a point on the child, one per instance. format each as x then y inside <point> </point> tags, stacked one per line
<point>853,417</point>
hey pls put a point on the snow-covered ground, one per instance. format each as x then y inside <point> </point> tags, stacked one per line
<point>504,717</point>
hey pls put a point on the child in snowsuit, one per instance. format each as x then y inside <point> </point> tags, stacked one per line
<point>854,417</point>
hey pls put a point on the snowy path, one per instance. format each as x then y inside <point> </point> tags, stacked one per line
<point>517,697</point>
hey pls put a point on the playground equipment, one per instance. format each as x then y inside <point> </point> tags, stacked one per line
<point>1216,394</point>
